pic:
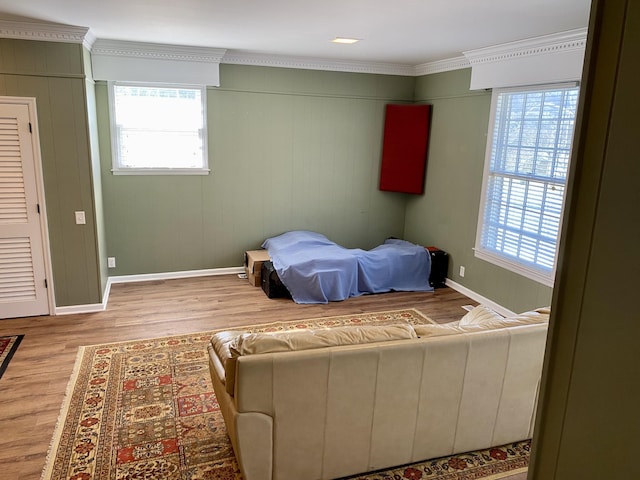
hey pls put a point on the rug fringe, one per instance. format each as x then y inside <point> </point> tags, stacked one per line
<point>258,325</point>
<point>85,365</point>
<point>57,430</point>
<point>508,474</point>
<point>47,470</point>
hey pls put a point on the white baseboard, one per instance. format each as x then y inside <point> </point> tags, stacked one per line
<point>479,298</point>
<point>145,277</point>
<point>87,308</point>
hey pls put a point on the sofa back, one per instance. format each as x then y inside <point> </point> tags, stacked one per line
<point>341,410</point>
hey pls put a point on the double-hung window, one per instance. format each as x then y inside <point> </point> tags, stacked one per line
<point>158,129</point>
<point>525,176</point>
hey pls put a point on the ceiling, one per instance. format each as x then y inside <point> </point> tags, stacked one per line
<point>407,32</point>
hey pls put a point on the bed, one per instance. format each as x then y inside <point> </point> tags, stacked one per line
<point>317,270</point>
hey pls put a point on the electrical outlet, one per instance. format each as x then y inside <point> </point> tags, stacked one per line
<point>80,218</point>
<point>111,262</point>
<point>461,271</point>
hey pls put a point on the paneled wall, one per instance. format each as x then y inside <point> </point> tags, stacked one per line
<point>96,178</point>
<point>288,149</point>
<point>53,73</point>
<point>447,214</point>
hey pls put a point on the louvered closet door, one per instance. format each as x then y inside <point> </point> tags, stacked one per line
<point>22,274</point>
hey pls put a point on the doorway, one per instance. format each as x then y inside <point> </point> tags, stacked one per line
<point>26,288</point>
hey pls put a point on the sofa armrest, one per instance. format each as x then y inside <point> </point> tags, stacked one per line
<point>255,445</point>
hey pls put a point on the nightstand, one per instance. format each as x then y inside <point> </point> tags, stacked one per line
<point>439,267</point>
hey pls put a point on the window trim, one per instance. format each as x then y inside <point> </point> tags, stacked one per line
<point>517,267</point>
<point>116,169</point>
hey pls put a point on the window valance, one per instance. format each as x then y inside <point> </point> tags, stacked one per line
<point>148,62</point>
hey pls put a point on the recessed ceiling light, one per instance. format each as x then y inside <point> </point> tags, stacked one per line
<point>345,40</point>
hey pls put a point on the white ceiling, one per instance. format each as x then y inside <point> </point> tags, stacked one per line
<point>407,32</point>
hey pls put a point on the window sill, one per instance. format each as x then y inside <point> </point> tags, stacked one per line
<point>160,171</point>
<point>546,279</point>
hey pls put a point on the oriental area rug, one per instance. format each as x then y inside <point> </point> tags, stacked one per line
<point>146,409</point>
<point>8,346</point>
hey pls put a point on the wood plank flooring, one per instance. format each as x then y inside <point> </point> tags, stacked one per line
<point>33,386</point>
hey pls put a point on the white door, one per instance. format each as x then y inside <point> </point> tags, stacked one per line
<point>23,284</point>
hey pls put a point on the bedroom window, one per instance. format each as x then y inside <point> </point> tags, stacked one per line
<point>158,129</point>
<point>526,166</point>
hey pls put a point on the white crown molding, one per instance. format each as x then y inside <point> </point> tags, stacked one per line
<point>89,40</point>
<point>307,63</point>
<point>563,41</point>
<point>157,51</point>
<point>554,43</point>
<point>447,65</point>
<point>46,32</point>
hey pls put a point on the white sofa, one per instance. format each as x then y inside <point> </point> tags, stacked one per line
<point>330,403</point>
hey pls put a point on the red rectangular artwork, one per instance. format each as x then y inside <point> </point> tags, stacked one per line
<point>404,151</point>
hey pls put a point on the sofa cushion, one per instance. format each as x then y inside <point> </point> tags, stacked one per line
<point>543,310</point>
<point>232,344</point>
<point>221,342</point>
<point>453,328</point>
<point>228,345</point>
<point>255,343</point>
<point>480,314</point>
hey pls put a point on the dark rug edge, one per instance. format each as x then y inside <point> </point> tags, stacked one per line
<point>12,351</point>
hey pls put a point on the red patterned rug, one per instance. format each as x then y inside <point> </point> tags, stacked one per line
<point>146,410</point>
<point>8,346</point>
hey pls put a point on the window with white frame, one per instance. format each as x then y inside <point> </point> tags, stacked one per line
<point>158,129</point>
<point>526,167</point>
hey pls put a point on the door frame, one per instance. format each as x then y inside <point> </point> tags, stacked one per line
<point>30,102</point>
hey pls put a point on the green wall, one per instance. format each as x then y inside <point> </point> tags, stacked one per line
<point>96,176</point>
<point>288,149</point>
<point>54,74</point>
<point>447,214</point>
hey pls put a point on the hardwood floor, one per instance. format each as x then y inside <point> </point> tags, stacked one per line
<point>33,386</point>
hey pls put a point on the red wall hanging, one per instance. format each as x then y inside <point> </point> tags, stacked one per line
<point>404,151</point>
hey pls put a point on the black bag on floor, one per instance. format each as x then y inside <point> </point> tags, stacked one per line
<point>271,284</point>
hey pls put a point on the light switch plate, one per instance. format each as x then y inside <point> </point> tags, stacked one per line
<point>80,218</point>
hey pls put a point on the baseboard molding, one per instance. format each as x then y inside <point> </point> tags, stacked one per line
<point>145,277</point>
<point>87,308</point>
<point>479,298</point>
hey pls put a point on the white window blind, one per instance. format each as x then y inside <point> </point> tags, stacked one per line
<point>528,153</point>
<point>158,129</point>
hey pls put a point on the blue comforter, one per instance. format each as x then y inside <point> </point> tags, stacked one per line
<point>317,270</point>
